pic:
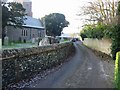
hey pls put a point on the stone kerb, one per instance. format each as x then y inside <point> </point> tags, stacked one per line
<point>19,64</point>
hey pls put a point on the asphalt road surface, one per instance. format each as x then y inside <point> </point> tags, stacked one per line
<point>83,70</point>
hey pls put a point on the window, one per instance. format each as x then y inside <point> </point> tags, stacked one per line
<point>24,32</point>
<point>39,34</point>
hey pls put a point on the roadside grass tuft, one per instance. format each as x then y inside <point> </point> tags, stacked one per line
<point>117,71</point>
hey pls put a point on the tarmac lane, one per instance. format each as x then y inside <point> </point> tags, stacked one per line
<point>83,70</point>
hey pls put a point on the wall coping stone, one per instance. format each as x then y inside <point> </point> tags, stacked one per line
<point>23,52</point>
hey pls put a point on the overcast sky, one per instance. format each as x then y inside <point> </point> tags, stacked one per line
<point>69,8</point>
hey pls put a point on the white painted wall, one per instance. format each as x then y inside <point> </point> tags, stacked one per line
<point>100,45</point>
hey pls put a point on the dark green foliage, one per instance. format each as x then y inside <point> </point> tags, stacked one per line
<point>55,23</point>
<point>12,13</point>
<point>0,20</point>
<point>98,31</point>
<point>5,16</point>
<point>116,37</point>
<point>108,31</point>
<point>115,41</point>
<point>83,36</point>
<point>119,8</point>
<point>94,31</point>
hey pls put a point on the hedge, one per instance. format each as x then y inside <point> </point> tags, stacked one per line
<point>117,71</point>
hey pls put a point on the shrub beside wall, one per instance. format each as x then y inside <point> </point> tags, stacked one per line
<point>19,64</point>
<point>117,71</point>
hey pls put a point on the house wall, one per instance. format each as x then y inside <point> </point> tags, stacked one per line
<point>15,33</point>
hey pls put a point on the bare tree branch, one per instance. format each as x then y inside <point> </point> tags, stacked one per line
<point>100,10</point>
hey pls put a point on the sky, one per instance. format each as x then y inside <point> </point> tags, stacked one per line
<point>69,8</point>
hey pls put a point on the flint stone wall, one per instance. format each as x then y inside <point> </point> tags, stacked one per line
<point>20,64</point>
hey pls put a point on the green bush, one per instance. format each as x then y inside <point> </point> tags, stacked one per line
<point>94,31</point>
<point>118,8</point>
<point>117,71</point>
<point>115,41</point>
<point>108,31</point>
<point>100,31</point>
<point>116,37</point>
<point>83,35</point>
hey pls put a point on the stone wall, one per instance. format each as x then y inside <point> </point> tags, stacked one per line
<point>103,45</point>
<point>19,64</point>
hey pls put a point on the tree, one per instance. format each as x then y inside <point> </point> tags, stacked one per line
<point>83,35</point>
<point>94,31</point>
<point>0,20</point>
<point>118,13</point>
<point>55,23</point>
<point>12,14</point>
<point>102,11</point>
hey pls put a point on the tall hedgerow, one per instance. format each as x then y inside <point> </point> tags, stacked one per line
<point>116,36</point>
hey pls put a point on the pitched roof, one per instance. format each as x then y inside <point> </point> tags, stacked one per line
<point>21,1</point>
<point>32,22</point>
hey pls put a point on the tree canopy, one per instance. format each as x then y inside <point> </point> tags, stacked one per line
<point>94,31</point>
<point>0,20</point>
<point>55,23</point>
<point>12,13</point>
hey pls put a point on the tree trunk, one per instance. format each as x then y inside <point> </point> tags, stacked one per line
<point>3,35</point>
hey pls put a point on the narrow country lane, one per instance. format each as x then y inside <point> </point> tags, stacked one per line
<point>83,70</point>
